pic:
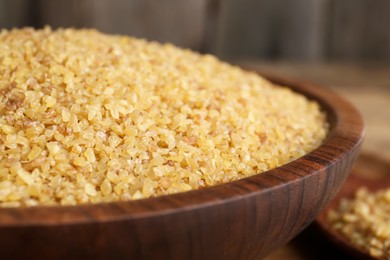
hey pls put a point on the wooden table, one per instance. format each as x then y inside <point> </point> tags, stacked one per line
<point>368,88</point>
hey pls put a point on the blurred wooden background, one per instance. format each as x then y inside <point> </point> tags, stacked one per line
<point>299,30</point>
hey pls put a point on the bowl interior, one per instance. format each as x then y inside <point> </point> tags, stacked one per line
<point>246,218</point>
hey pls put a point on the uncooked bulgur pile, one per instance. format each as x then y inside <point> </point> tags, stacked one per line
<point>365,221</point>
<point>88,117</point>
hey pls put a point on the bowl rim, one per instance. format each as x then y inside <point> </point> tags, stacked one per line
<point>346,132</point>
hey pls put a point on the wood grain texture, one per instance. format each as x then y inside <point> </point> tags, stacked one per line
<point>15,13</point>
<point>303,30</point>
<point>244,219</point>
<point>359,30</point>
<point>178,22</point>
<point>272,29</point>
<point>211,26</point>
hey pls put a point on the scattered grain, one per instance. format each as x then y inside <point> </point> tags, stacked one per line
<point>365,221</point>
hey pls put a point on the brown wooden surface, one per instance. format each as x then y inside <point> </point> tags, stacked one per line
<point>359,30</point>
<point>304,30</point>
<point>272,29</point>
<point>367,86</point>
<point>14,13</point>
<point>245,219</point>
<point>179,22</point>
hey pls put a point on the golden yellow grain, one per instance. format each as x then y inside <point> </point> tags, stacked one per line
<point>365,221</point>
<point>88,117</point>
<point>53,148</point>
<point>90,189</point>
<point>34,153</point>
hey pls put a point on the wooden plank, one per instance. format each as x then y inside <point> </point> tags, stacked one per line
<point>304,30</point>
<point>62,13</point>
<point>360,30</point>
<point>247,28</point>
<point>210,36</point>
<point>15,13</point>
<point>346,28</point>
<point>179,22</point>
<point>301,30</point>
<point>272,29</point>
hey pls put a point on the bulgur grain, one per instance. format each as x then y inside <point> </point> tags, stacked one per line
<point>87,117</point>
<point>365,221</point>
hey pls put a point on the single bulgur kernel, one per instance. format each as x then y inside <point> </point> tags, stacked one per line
<point>65,115</point>
<point>375,252</point>
<point>58,136</point>
<point>91,112</point>
<point>23,174</point>
<point>185,187</point>
<point>8,129</point>
<point>90,189</point>
<point>118,188</point>
<point>148,187</point>
<point>34,153</point>
<point>90,155</point>
<point>34,191</point>
<point>77,149</point>
<point>136,118</point>
<point>49,101</point>
<point>106,187</point>
<point>53,147</point>
<point>113,177</point>
<point>138,195</point>
<point>80,161</point>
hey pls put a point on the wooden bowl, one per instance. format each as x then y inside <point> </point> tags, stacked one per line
<point>369,172</point>
<point>243,219</point>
